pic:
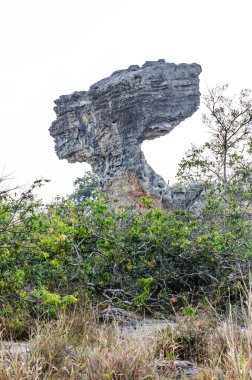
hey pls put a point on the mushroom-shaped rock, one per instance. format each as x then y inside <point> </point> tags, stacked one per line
<point>106,125</point>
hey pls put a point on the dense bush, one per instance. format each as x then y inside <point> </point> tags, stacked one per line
<point>51,254</point>
<point>32,253</point>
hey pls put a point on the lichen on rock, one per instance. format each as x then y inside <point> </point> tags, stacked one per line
<point>106,125</point>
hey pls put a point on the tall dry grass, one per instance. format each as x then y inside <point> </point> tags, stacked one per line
<point>76,347</point>
<point>235,361</point>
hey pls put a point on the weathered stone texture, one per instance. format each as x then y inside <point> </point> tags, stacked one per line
<point>106,125</point>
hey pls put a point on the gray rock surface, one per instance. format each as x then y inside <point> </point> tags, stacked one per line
<point>186,197</point>
<point>106,125</point>
<point>15,349</point>
<point>115,314</point>
<point>178,369</point>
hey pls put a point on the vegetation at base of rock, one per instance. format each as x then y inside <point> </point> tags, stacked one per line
<point>51,255</point>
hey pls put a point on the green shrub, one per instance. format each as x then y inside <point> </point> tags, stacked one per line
<point>126,257</point>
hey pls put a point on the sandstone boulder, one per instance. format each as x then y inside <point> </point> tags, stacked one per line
<point>106,125</point>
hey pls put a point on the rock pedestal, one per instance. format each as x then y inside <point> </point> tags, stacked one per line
<point>106,125</point>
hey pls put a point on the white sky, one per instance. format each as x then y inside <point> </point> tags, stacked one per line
<point>53,47</point>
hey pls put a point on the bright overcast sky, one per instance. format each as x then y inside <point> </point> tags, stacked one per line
<point>54,47</point>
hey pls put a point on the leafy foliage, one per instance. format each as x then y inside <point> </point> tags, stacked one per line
<point>85,187</point>
<point>223,166</point>
<point>32,250</point>
<point>126,257</point>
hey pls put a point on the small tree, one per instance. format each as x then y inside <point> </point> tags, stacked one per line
<point>85,186</point>
<point>224,164</point>
<point>225,159</point>
<point>224,167</point>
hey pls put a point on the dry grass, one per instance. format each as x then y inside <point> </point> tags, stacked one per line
<point>115,358</point>
<point>108,357</point>
<point>77,348</point>
<point>235,362</point>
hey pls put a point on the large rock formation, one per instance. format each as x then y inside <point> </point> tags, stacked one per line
<point>106,125</point>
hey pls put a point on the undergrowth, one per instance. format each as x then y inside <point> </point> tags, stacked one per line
<point>76,347</point>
